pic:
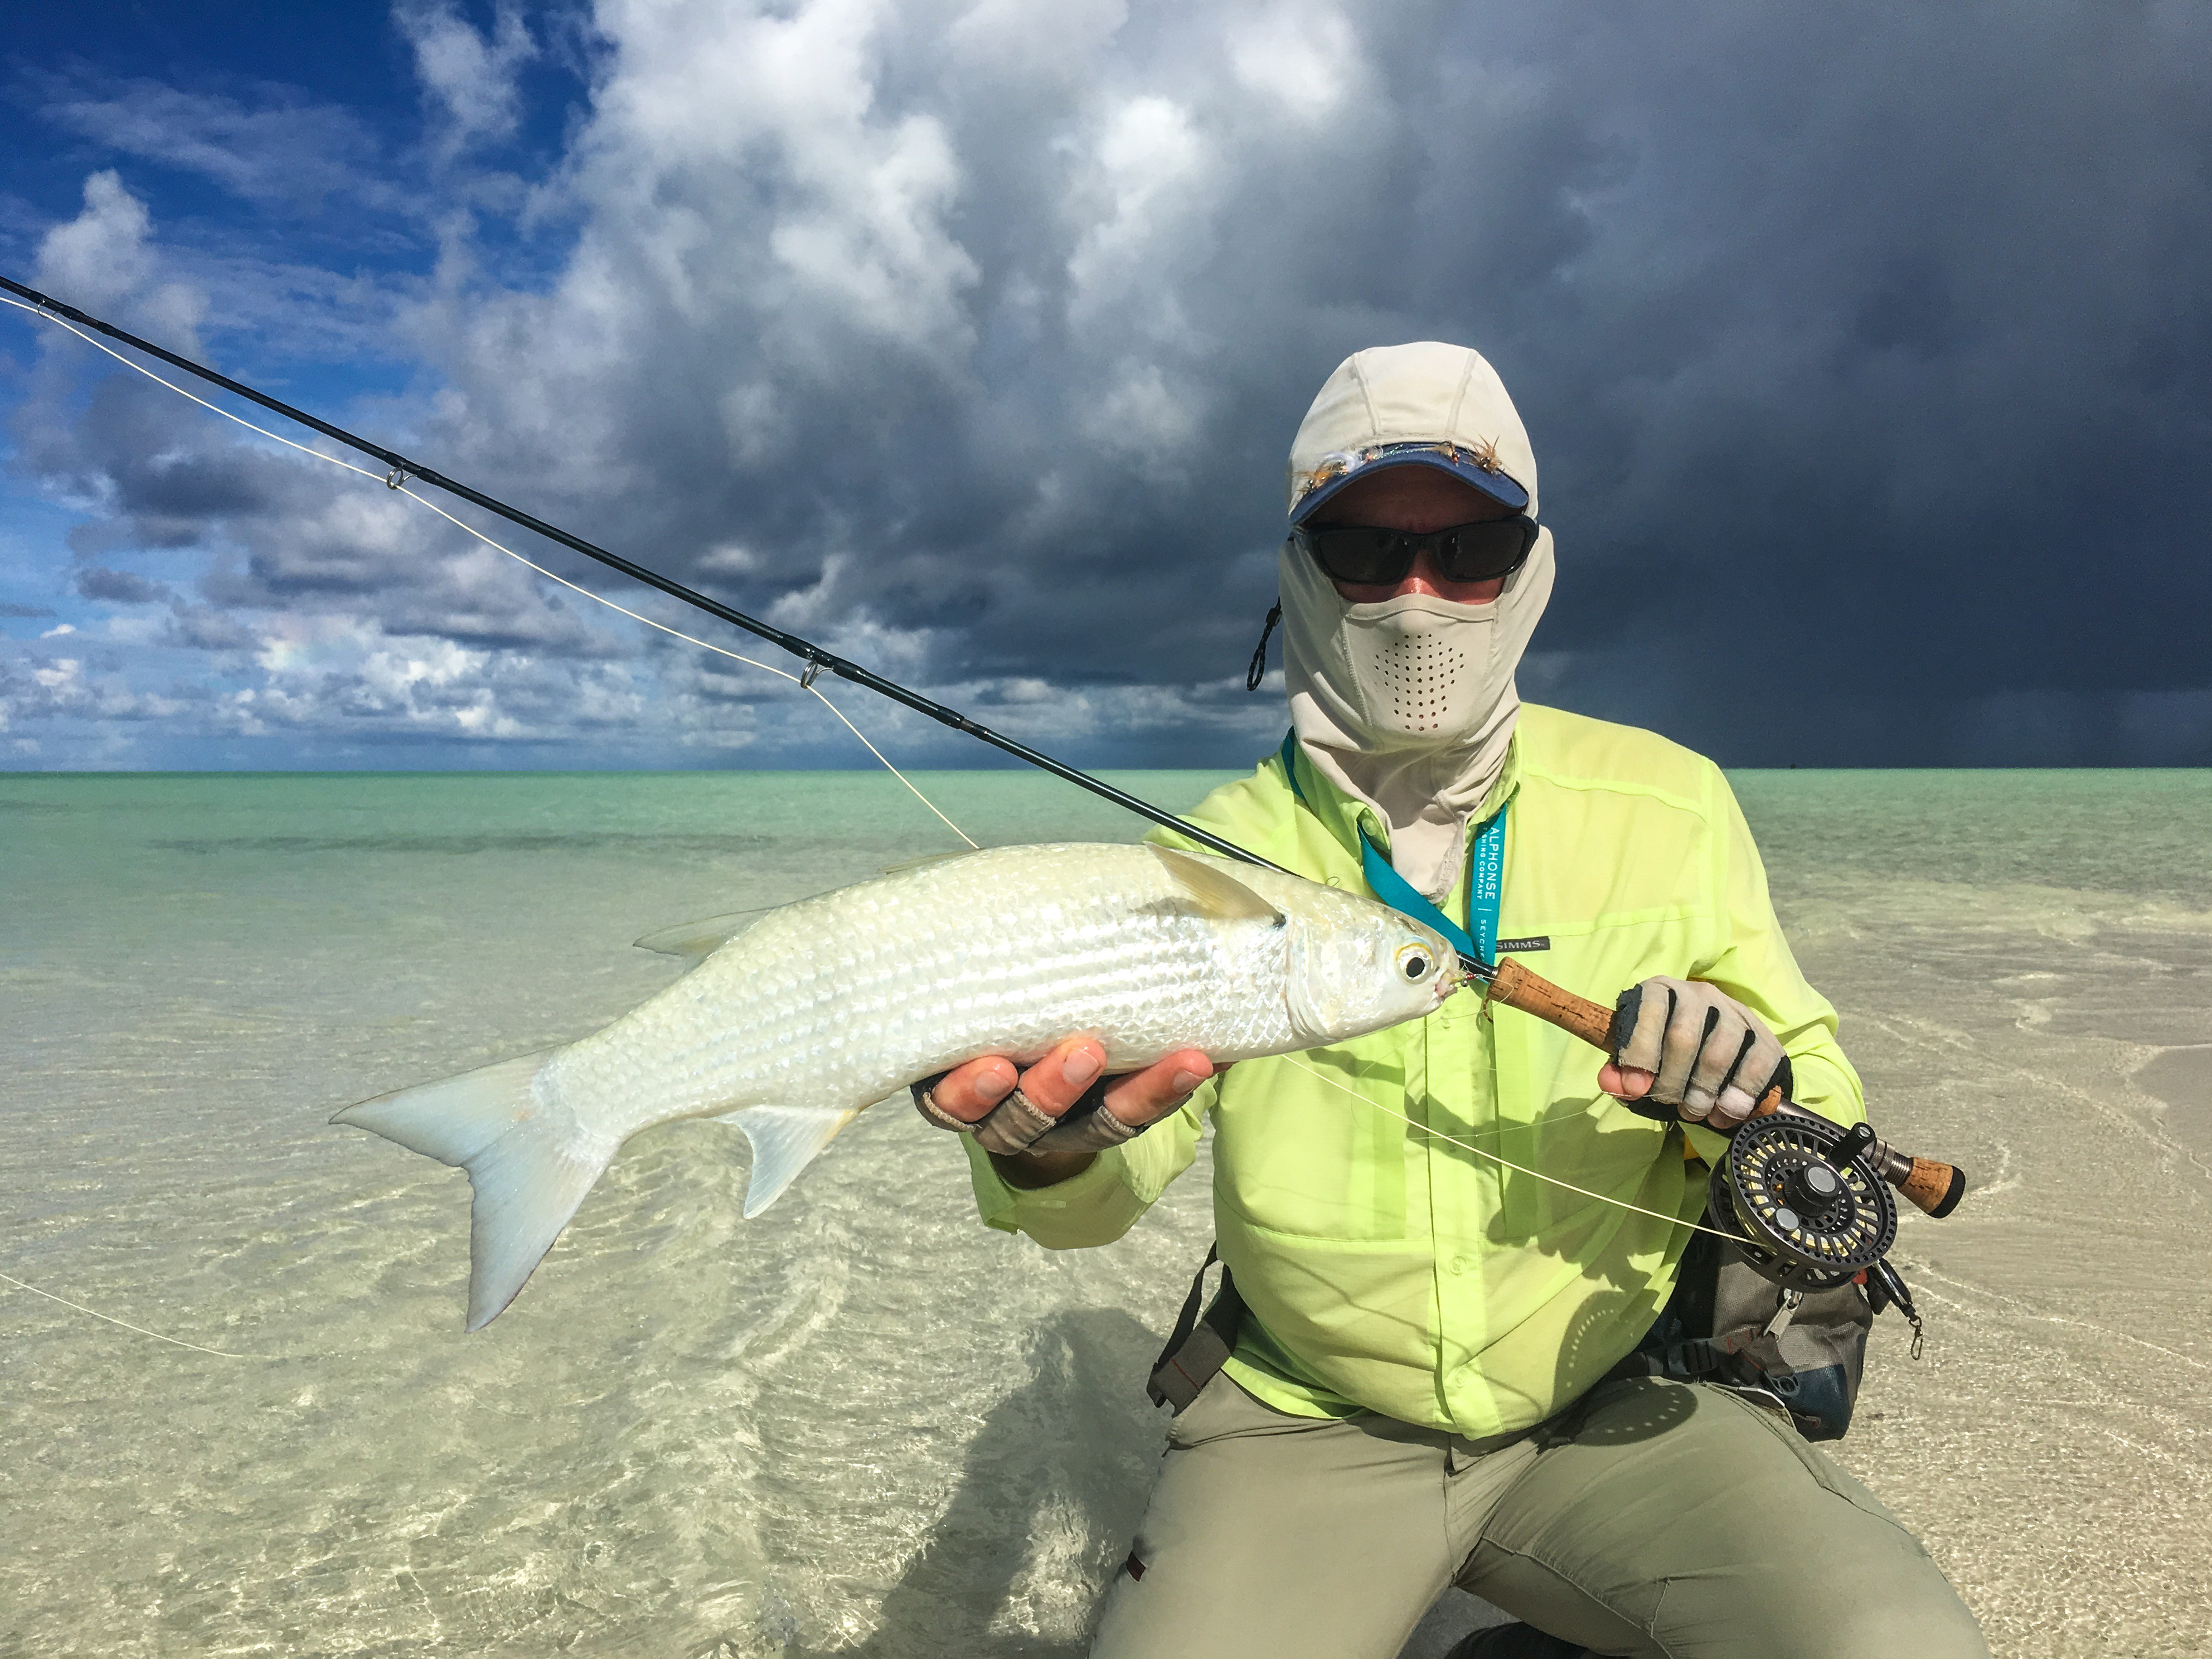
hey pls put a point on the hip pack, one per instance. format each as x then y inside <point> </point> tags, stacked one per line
<point>1800,1351</point>
<point>1724,1324</point>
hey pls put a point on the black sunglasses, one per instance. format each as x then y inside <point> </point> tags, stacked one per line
<point>1365,555</point>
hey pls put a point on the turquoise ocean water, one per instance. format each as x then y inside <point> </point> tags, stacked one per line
<point>861,1423</point>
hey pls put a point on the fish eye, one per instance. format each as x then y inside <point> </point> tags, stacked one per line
<point>1413,963</point>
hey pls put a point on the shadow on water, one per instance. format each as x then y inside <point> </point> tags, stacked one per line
<point>1049,1495</point>
<point>1055,1483</point>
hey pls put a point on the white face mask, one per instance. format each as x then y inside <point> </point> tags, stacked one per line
<point>1409,704</point>
<point>1417,666</point>
<point>1413,673</point>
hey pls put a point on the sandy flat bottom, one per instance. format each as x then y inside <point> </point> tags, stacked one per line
<point>2181,1078</point>
<point>862,1424</point>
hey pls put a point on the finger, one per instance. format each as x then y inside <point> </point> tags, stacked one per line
<point>1763,1066</point>
<point>1057,1082</point>
<point>1730,1108</point>
<point>1148,1095</point>
<point>969,1091</point>
<point>1693,1017</point>
<point>1654,1009</point>
<point>1728,1037</point>
<point>1624,1082</point>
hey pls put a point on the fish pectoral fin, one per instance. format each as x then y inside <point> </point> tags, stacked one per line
<point>785,1140</point>
<point>695,941</point>
<point>1214,893</point>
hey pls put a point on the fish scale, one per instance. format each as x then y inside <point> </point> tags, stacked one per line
<point>790,1026</point>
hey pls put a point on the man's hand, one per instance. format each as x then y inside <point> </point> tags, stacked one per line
<point>982,1092</point>
<point>1698,1050</point>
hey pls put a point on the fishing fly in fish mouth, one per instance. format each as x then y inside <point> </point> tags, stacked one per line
<point>1549,1325</point>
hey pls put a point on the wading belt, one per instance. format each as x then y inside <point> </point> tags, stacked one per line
<point>1201,1343</point>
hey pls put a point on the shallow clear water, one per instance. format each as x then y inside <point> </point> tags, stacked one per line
<point>862,1423</point>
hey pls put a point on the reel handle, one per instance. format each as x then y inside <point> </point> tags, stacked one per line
<point>1933,1186</point>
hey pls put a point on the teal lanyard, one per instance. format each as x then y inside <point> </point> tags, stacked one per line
<point>1485,880</point>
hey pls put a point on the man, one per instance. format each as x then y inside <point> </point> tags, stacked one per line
<point>1418,1395</point>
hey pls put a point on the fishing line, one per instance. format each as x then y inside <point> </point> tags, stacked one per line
<point>1523,1168</point>
<point>397,480</point>
<point>174,1341</point>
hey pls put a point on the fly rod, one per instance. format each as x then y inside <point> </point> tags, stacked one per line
<point>817,660</point>
<point>1935,1187</point>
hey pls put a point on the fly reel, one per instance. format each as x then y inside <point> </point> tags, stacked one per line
<point>1803,1200</point>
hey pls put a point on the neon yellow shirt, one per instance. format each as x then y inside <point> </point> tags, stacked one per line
<point>1386,1270</point>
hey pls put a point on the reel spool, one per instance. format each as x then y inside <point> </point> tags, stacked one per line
<point>1803,1200</point>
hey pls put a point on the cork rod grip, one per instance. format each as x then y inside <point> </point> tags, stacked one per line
<point>1532,994</point>
<point>1934,1186</point>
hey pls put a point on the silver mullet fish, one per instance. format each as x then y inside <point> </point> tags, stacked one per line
<point>791,1024</point>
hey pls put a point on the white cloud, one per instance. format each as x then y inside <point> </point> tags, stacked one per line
<point>101,254</point>
<point>1139,413</point>
<point>470,76</point>
<point>743,157</point>
<point>1302,60</point>
<point>1147,166</point>
<point>1023,42</point>
<point>101,259</point>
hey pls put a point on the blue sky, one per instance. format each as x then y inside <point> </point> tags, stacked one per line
<point>1866,355</point>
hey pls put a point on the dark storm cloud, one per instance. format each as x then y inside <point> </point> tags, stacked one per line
<point>203,628</point>
<point>1864,354</point>
<point>1925,390</point>
<point>296,537</point>
<point>96,582</point>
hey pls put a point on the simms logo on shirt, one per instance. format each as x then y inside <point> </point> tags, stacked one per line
<point>1519,947</point>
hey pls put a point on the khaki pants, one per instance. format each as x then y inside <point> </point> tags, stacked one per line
<point>1652,1518</point>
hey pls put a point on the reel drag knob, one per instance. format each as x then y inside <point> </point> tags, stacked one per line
<point>1813,1188</point>
<point>1809,1211</point>
<point>1810,1191</point>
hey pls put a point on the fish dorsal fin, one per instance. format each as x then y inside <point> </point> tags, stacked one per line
<point>785,1140</point>
<point>922,863</point>
<point>1215,892</point>
<point>695,941</point>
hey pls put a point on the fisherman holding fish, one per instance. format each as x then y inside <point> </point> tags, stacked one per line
<point>1424,1388</point>
<point>1432,1375</point>
<point>1448,1235</point>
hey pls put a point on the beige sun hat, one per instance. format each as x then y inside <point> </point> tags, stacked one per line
<point>1424,404</point>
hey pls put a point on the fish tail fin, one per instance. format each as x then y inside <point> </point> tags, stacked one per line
<point>528,1155</point>
<point>785,1140</point>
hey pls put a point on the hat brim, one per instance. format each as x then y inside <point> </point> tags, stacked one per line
<point>1496,485</point>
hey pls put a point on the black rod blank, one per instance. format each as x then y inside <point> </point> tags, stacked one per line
<point>807,651</point>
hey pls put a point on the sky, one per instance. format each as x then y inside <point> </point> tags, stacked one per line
<point>1866,351</point>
